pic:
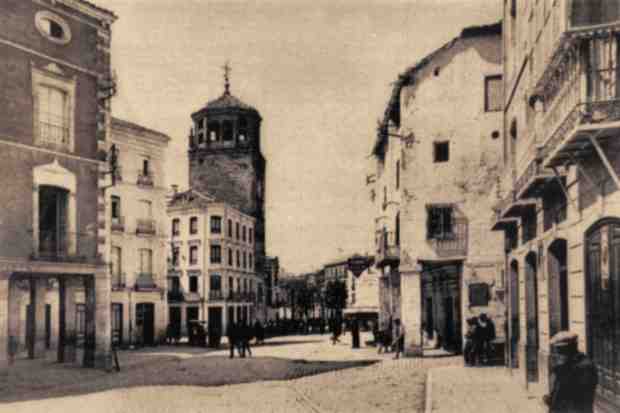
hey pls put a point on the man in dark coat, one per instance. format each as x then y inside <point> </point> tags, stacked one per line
<point>574,377</point>
<point>233,337</point>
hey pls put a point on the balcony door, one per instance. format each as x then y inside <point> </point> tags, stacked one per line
<point>531,310</point>
<point>117,271</point>
<point>145,323</point>
<point>53,221</point>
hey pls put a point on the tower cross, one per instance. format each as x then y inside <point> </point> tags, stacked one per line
<point>227,71</point>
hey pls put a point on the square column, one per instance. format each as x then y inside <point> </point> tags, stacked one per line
<point>66,318</point>
<point>38,291</point>
<point>14,320</point>
<point>411,310</point>
<point>103,321</point>
<point>4,322</point>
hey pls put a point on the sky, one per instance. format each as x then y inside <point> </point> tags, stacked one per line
<point>318,71</point>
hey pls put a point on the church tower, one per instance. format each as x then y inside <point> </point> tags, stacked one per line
<point>225,158</point>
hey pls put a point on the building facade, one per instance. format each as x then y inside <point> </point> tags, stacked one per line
<point>437,156</point>
<point>56,86</point>
<point>559,201</point>
<point>139,235</point>
<point>272,274</point>
<point>212,269</point>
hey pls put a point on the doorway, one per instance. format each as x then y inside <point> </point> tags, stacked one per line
<point>515,325</point>
<point>558,287</point>
<point>53,222</point>
<point>145,323</point>
<point>603,304</point>
<point>531,311</point>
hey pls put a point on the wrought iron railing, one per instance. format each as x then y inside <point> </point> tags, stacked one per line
<point>62,246</point>
<point>176,294</point>
<point>453,242</point>
<point>118,280</point>
<point>145,226</point>
<point>145,281</point>
<point>145,179</point>
<point>216,295</point>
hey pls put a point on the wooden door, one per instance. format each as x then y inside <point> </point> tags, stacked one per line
<point>603,298</point>
<point>531,310</point>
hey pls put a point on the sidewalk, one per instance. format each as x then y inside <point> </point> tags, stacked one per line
<point>477,390</point>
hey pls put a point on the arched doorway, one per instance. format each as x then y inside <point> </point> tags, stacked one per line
<point>558,287</point>
<point>602,257</point>
<point>531,314</point>
<point>515,322</point>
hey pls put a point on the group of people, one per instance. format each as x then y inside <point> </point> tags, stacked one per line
<point>241,334</point>
<point>478,340</point>
<point>390,339</point>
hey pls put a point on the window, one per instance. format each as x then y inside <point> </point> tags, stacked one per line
<point>146,167</point>
<point>493,93</point>
<point>231,285</point>
<point>117,270</point>
<point>237,231</point>
<point>146,261</point>
<point>176,223</point>
<point>230,257</point>
<point>116,208</point>
<point>245,260</point>
<point>193,225</point>
<point>193,284</point>
<point>216,225</point>
<point>238,259</point>
<point>80,323</point>
<point>251,261</point>
<point>193,255</point>
<point>175,256</point>
<point>228,131</point>
<point>479,295</point>
<point>244,233</point>
<point>243,129</point>
<point>439,222</point>
<point>53,27</point>
<point>398,174</point>
<point>441,152</point>
<point>53,116</point>
<point>230,228</point>
<point>216,254</point>
<point>250,235</point>
<point>215,282</point>
<point>117,323</point>
<point>213,130</point>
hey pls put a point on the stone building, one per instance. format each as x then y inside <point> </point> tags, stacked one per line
<point>139,235</point>
<point>56,87</point>
<point>559,197</point>
<point>272,273</point>
<point>437,155</point>
<point>212,270</point>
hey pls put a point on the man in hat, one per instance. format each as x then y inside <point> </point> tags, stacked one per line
<point>574,375</point>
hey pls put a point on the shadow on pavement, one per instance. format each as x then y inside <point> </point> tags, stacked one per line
<point>28,381</point>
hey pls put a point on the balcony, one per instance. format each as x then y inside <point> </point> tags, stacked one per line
<point>145,179</point>
<point>58,246</point>
<point>451,243</point>
<point>388,252</point>
<point>145,226</point>
<point>119,281</point>
<point>145,281</point>
<point>176,295</point>
<point>118,224</point>
<point>216,295</point>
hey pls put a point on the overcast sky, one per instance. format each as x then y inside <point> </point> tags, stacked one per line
<point>319,71</point>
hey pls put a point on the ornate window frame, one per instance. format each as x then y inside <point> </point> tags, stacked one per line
<point>53,76</point>
<point>43,15</point>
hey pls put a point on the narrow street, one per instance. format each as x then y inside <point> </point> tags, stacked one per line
<point>293,373</point>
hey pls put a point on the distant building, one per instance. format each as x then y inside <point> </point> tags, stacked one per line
<point>212,269</point>
<point>438,154</point>
<point>336,270</point>
<point>272,273</point>
<point>139,235</point>
<point>54,124</point>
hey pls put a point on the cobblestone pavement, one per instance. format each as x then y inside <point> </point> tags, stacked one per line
<point>478,390</point>
<point>264,381</point>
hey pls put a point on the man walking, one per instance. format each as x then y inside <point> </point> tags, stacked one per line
<point>233,337</point>
<point>399,340</point>
<point>575,377</point>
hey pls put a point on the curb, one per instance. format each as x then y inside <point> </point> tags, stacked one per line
<point>428,405</point>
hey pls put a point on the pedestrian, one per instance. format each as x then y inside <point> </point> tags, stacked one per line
<point>575,377</point>
<point>399,338</point>
<point>486,329</point>
<point>259,332</point>
<point>232,334</point>
<point>471,342</point>
<point>245,337</point>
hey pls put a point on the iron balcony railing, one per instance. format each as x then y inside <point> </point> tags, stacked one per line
<point>145,281</point>
<point>451,243</point>
<point>176,294</point>
<point>145,179</point>
<point>145,226</point>
<point>119,280</point>
<point>118,224</point>
<point>216,295</point>
<point>62,246</point>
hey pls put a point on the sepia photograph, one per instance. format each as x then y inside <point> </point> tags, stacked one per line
<point>321,206</point>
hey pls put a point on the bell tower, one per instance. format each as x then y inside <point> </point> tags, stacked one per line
<point>225,158</point>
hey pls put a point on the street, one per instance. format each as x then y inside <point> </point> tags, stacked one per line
<point>292,373</point>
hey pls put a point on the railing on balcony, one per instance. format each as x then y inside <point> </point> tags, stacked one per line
<point>176,294</point>
<point>145,179</point>
<point>118,224</point>
<point>145,281</point>
<point>62,246</point>
<point>216,295</point>
<point>145,226</point>
<point>451,243</point>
